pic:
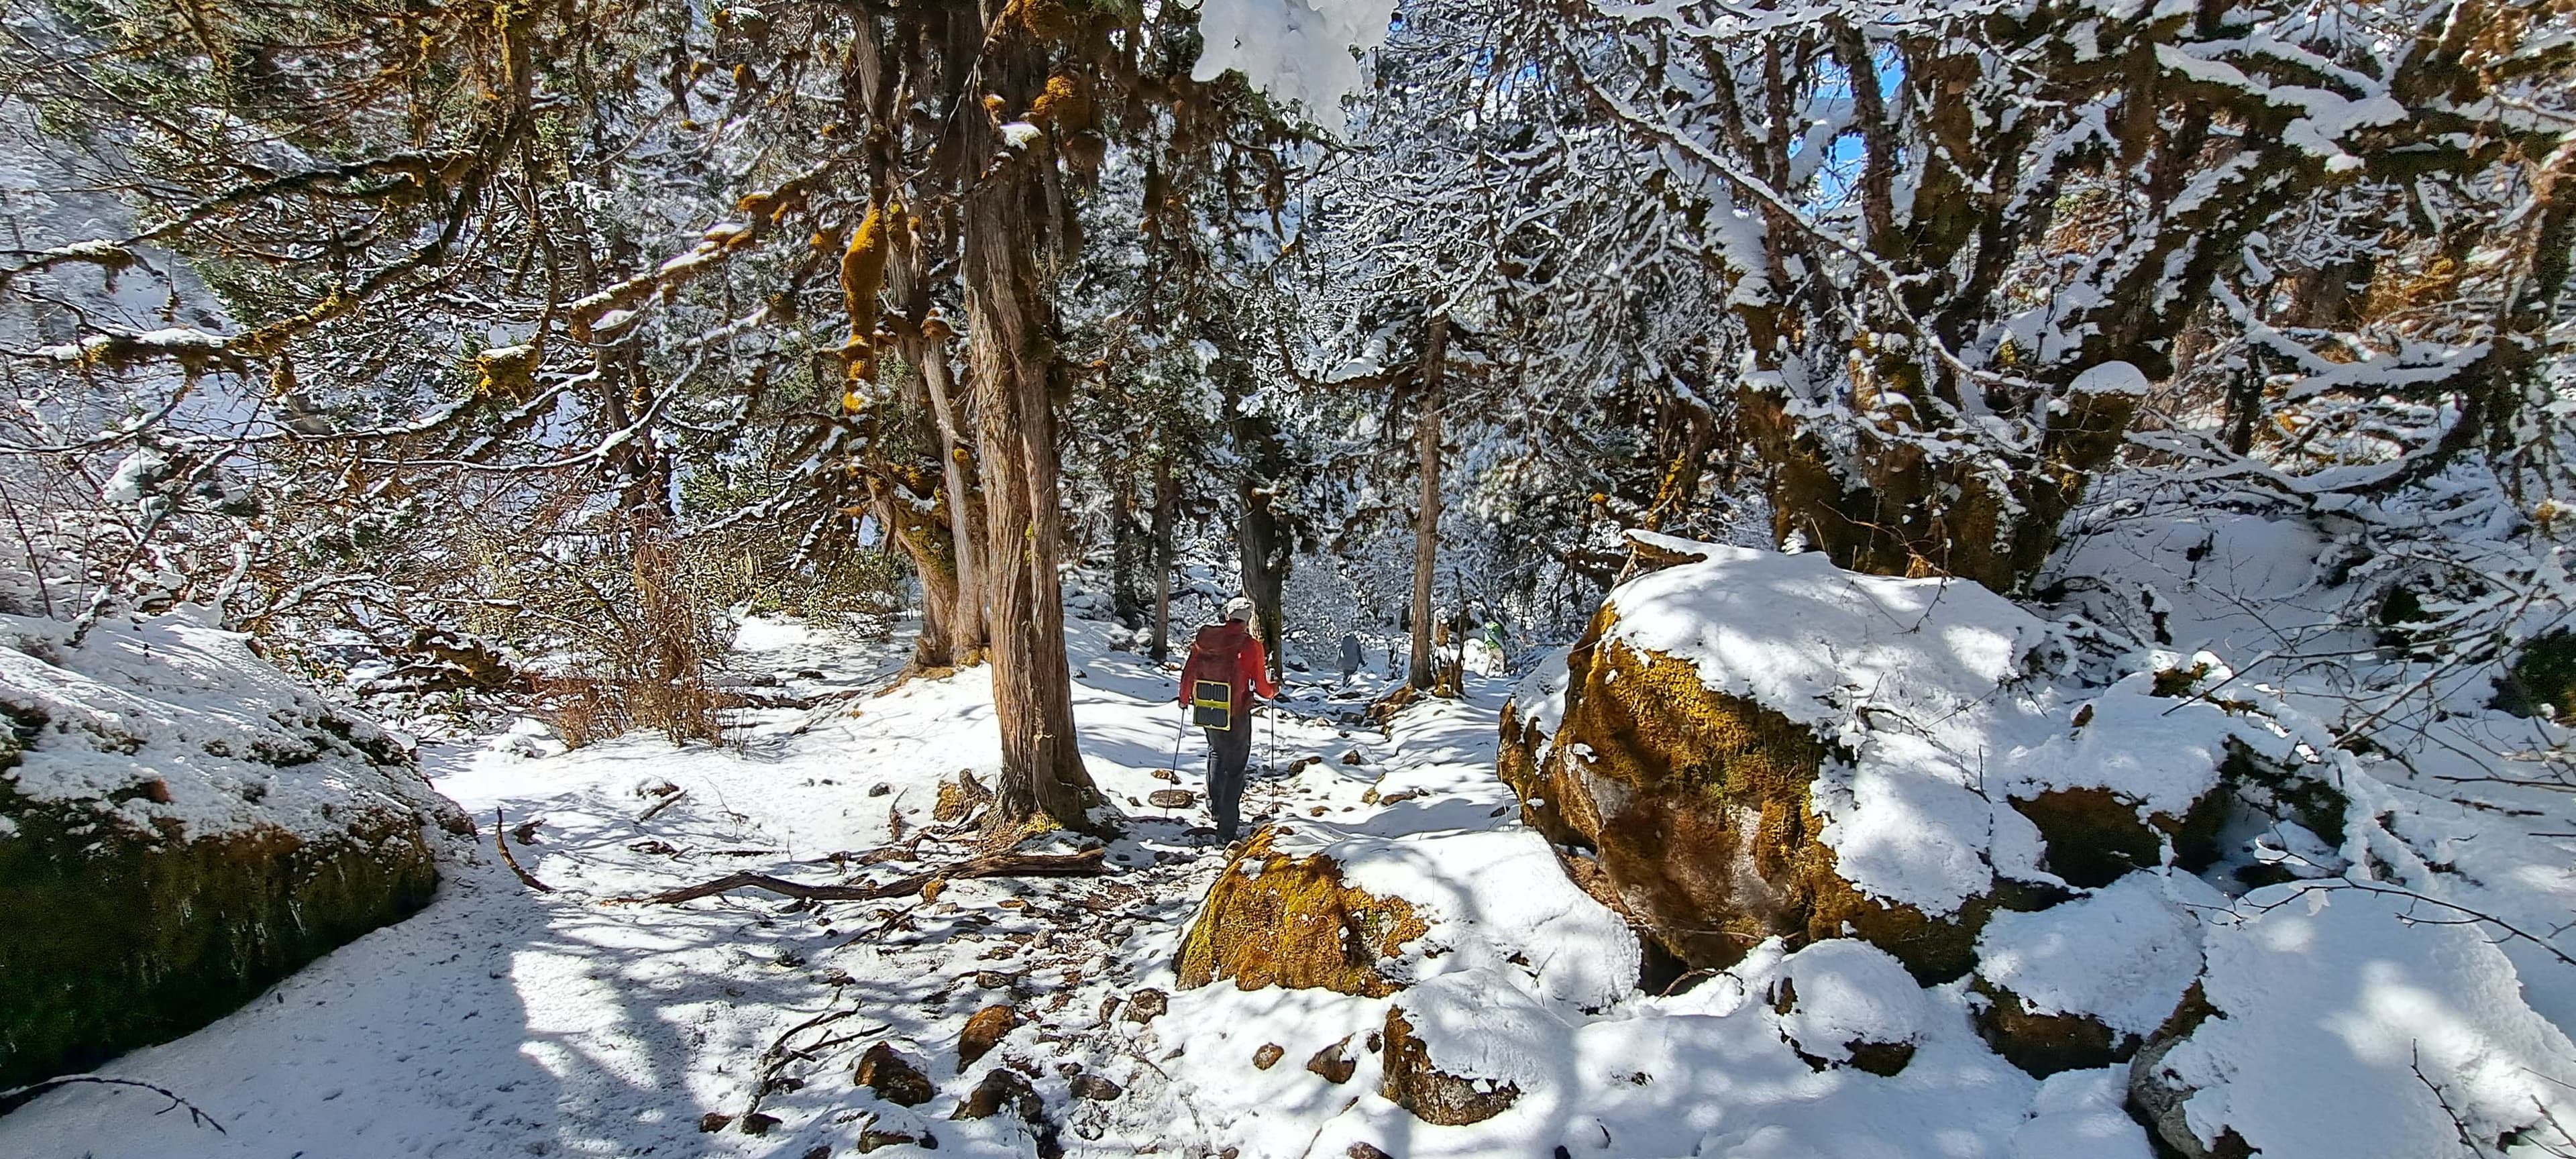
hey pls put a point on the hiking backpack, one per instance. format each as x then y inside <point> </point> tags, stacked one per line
<point>1211,701</point>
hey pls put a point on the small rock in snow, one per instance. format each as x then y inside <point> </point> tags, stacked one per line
<point>1094,1088</point>
<point>893,1077</point>
<point>1147,1005</point>
<point>1334,1063</point>
<point>1268,1056</point>
<point>1002,1089</point>
<point>983,1031</point>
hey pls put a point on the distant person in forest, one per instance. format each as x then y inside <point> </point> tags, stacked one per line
<point>1226,667</point>
<point>1350,654</point>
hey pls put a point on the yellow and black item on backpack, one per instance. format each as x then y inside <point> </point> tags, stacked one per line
<point>1212,704</point>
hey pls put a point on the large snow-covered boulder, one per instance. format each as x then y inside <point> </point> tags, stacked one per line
<point>180,826</point>
<point>1748,744</point>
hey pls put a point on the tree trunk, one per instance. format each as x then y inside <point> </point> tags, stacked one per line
<point>1011,342</point>
<point>966,622</point>
<point>1131,548</point>
<point>1426,519</point>
<point>1258,536</point>
<point>1167,503</point>
<point>926,543</point>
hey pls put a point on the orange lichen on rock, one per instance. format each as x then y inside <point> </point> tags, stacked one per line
<point>1272,919</point>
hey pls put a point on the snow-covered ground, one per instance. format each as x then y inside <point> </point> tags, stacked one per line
<point>506,1022</point>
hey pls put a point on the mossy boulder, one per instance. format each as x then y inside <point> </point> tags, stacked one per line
<point>1747,745</point>
<point>181,827</point>
<point>1276,919</point>
<point>1695,805</point>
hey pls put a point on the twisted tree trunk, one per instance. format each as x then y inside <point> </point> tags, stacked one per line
<point>1012,346</point>
<point>966,624</point>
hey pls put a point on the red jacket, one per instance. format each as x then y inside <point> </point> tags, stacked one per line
<point>1231,653</point>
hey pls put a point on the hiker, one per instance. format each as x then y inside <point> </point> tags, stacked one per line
<point>1350,654</point>
<point>1226,666</point>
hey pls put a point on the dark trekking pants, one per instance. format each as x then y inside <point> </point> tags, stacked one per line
<point>1229,750</point>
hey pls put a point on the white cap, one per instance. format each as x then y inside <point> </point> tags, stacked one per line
<point>1239,608</point>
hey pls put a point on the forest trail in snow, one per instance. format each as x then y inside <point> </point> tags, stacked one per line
<point>503,1022</point>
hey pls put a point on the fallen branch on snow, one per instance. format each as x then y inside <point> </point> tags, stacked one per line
<point>11,1100</point>
<point>501,840</point>
<point>1087,863</point>
<point>666,802</point>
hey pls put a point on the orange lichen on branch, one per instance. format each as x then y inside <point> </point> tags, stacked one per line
<point>1066,103</point>
<point>863,267</point>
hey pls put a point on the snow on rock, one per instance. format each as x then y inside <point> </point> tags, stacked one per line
<point>1538,702</point>
<point>1840,998</point>
<point>2354,1023</point>
<point>183,826</point>
<point>1818,644</point>
<point>1462,1047</point>
<point>2123,955</point>
<point>2081,1112</point>
<point>175,727</point>
<point>1500,897</point>
<point>1756,744</point>
<point>2081,985</point>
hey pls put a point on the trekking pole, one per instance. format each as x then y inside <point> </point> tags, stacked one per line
<point>1180,732</point>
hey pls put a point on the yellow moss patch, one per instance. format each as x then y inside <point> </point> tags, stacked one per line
<point>1695,802</point>
<point>1047,20</point>
<point>1697,806</point>
<point>509,372</point>
<point>1066,103</point>
<point>1934,950</point>
<point>1291,922</point>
